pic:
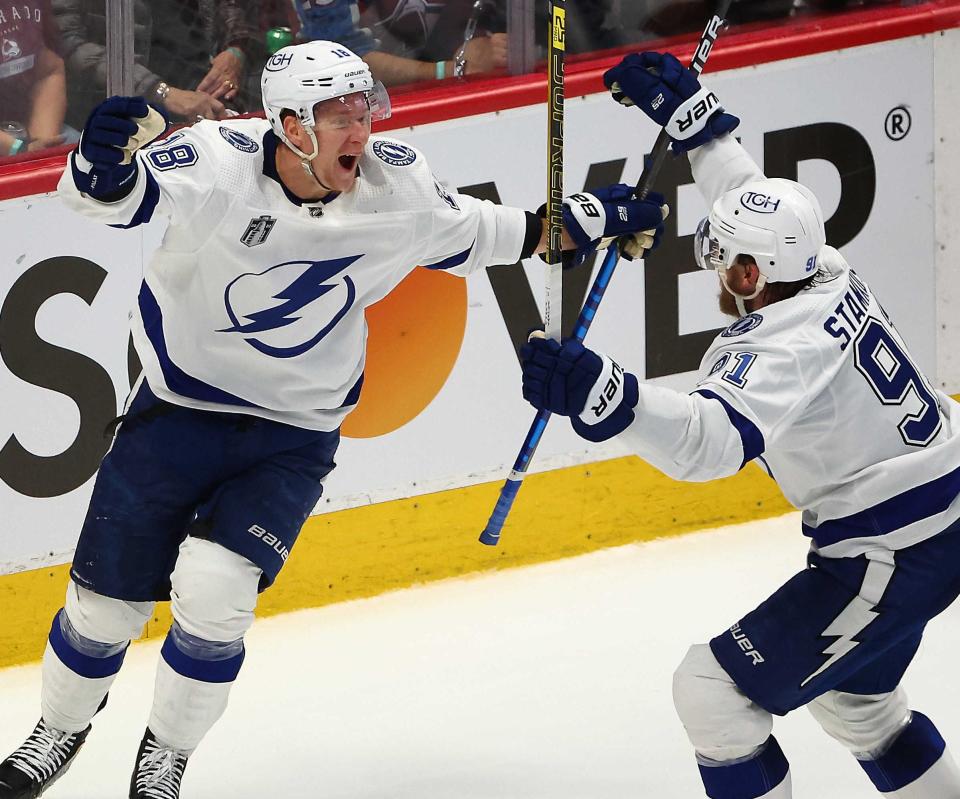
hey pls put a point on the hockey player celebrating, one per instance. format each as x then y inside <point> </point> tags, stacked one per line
<point>250,327</point>
<point>812,381</point>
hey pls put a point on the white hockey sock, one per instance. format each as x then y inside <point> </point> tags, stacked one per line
<point>193,684</point>
<point>77,674</point>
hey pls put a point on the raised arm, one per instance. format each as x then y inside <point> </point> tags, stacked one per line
<point>672,96</point>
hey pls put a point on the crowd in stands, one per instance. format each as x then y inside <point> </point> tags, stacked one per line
<point>202,58</point>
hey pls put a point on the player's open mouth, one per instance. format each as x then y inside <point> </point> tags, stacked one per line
<point>348,162</point>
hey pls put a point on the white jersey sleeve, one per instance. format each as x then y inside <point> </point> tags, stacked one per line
<point>497,234</point>
<point>175,176</point>
<point>493,233</point>
<point>687,437</point>
<point>722,165</point>
<point>453,232</point>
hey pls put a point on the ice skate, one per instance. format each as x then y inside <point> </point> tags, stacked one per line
<point>158,771</point>
<point>39,762</point>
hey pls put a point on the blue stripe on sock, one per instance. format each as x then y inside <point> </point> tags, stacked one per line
<point>749,779</point>
<point>79,663</point>
<point>917,748</point>
<point>203,670</point>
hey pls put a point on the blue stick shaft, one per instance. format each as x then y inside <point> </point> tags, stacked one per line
<point>491,533</point>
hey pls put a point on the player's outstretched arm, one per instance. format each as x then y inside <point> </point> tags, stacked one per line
<point>688,437</point>
<point>103,166</point>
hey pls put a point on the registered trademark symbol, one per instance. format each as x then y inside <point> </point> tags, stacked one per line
<point>897,123</point>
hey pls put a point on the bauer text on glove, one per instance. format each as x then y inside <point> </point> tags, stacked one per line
<point>571,380</point>
<point>670,94</point>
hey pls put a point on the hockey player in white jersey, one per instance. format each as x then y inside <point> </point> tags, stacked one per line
<point>813,382</point>
<point>250,327</point>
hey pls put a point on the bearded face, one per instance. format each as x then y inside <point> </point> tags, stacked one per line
<point>728,305</point>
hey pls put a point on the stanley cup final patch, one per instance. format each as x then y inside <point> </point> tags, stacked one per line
<point>258,230</point>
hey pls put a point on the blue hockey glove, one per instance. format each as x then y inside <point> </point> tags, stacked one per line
<point>609,213</point>
<point>670,94</point>
<point>103,162</point>
<point>571,380</point>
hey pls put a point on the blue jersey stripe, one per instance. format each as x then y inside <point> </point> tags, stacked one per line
<point>148,204</point>
<point>178,381</point>
<point>750,435</point>
<point>453,260</point>
<point>892,514</point>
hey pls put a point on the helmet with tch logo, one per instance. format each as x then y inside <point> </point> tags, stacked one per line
<point>777,222</point>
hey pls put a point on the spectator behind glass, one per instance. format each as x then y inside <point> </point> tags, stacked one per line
<point>394,61</point>
<point>436,31</point>
<point>189,55</point>
<point>33,95</point>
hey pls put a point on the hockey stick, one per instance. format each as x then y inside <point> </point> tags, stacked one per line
<point>553,297</point>
<point>491,533</point>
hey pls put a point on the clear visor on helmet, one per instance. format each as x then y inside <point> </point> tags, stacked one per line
<point>706,248</point>
<point>364,107</point>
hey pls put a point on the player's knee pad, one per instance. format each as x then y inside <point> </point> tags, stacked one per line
<point>213,591</point>
<point>104,619</point>
<point>721,722</point>
<point>864,723</point>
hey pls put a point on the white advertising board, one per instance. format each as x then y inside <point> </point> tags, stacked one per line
<point>864,144</point>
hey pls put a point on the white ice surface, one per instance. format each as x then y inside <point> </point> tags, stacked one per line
<point>548,682</point>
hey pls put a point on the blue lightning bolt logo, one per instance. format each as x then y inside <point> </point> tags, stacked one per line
<point>309,286</point>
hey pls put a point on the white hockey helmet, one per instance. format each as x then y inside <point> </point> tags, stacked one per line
<point>776,221</point>
<point>299,76</point>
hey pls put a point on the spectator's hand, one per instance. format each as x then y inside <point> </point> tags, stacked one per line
<point>486,53</point>
<point>44,142</point>
<point>193,105</point>
<point>222,82</point>
<point>6,142</point>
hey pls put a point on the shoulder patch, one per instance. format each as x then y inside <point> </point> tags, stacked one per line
<point>744,325</point>
<point>445,195</point>
<point>239,140</point>
<point>393,153</point>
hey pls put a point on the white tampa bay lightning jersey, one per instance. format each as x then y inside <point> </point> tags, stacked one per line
<point>255,300</point>
<point>821,390</point>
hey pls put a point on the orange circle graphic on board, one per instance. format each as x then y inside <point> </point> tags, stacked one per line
<point>415,334</point>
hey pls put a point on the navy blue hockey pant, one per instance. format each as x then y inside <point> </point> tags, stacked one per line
<point>241,481</point>
<point>781,655</point>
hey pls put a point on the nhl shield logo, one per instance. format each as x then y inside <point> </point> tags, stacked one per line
<point>258,230</point>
